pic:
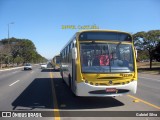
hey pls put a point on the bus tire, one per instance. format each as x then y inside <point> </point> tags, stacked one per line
<point>69,78</point>
<point>70,86</point>
<point>74,95</point>
<point>63,80</point>
<point>62,77</point>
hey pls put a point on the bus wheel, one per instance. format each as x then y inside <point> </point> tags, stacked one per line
<point>70,86</point>
<point>62,78</point>
<point>69,77</point>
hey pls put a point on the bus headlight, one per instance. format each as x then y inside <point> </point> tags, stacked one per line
<point>91,83</point>
<point>86,81</point>
<point>110,82</point>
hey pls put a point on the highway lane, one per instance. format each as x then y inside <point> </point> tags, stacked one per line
<point>10,76</point>
<point>10,73</point>
<point>31,93</point>
<point>36,91</point>
<point>149,88</point>
<point>67,101</point>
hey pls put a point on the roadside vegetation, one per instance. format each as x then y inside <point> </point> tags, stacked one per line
<point>148,46</point>
<point>148,51</point>
<point>16,52</point>
<point>144,67</point>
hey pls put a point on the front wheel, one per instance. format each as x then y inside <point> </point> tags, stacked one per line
<point>70,86</point>
<point>62,77</point>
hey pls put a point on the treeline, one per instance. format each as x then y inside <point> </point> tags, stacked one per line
<point>18,51</point>
<point>148,45</point>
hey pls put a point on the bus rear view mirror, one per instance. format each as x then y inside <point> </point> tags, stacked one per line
<point>74,53</point>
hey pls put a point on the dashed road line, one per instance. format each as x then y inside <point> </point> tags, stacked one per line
<point>14,82</point>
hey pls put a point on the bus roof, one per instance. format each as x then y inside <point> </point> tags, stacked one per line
<point>102,30</point>
<point>93,30</point>
<point>56,55</point>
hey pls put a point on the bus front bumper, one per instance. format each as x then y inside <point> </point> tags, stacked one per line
<point>85,89</point>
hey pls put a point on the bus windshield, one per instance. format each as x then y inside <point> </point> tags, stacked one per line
<point>106,57</point>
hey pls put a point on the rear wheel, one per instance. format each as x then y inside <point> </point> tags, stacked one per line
<point>70,86</point>
<point>62,77</point>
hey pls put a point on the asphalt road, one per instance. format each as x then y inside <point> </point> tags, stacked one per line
<point>43,90</point>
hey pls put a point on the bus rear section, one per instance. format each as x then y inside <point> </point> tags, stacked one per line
<point>56,62</point>
<point>105,64</point>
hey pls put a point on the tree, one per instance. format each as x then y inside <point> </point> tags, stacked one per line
<point>4,51</point>
<point>18,60</point>
<point>142,55</point>
<point>156,53</point>
<point>19,50</point>
<point>147,41</point>
<point>15,51</point>
<point>27,50</point>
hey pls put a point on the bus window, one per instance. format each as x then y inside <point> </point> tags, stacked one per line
<point>118,56</point>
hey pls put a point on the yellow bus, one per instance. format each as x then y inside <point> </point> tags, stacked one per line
<point>56,62</point>
<point>99,63</point>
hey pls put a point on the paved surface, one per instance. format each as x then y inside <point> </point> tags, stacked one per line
<point>44,90</point>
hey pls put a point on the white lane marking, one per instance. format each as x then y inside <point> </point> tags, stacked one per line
<point>32,71</point>
<point>150,79</point>
<point>14,83</point>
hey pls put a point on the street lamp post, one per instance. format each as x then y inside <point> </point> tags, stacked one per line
<point>8,40</point>
<point>0,60</point>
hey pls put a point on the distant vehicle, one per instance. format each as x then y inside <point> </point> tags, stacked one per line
<point>28,66</point>
<point>43,66</point>
<point>56,62</point>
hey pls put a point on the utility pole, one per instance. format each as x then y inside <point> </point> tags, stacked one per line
<point>8,42</point>
<point>1,60</point>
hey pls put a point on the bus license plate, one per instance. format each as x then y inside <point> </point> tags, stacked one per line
<point>111,90</point>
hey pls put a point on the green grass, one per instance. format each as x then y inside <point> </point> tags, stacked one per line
<point>156,63</point>
<point>144,67</point>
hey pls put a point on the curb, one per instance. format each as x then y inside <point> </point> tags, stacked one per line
<point>11,68</point>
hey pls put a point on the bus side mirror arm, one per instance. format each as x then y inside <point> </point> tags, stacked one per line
<point>74,53</point>
<point>136,53</point>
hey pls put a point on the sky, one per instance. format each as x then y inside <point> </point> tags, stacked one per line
<point>42,20</point>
